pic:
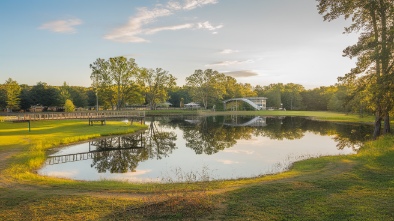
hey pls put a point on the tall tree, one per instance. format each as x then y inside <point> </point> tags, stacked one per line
<point>374,49</point>
<point>157,83</point>
<point>206,86</point>
<point>115,79</point>
<point>291,96</point>
<point>65,92</point>
<point>13,91</point>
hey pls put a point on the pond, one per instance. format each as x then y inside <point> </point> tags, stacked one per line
<point>195,148</point>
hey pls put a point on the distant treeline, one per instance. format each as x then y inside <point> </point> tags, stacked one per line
<point>288,96</point>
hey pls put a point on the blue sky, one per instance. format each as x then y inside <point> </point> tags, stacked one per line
<point>256,41</point>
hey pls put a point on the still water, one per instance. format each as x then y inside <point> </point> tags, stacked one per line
<point>192,148</point>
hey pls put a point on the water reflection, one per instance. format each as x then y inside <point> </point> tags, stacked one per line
<point>212,134</point>
<point>234,142</point>
<point>121,154</point>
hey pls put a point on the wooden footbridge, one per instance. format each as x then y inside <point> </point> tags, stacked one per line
<point>133,143</point>
<point>92,116</point>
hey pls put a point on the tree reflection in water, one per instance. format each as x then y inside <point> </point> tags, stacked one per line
<point>210,135</point>
<point>122,154</point>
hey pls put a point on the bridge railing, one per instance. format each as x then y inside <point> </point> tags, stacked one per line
<point>77,115</point>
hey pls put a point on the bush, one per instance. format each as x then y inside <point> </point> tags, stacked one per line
<point>69,106</point>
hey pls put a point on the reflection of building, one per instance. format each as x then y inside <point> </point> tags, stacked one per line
<point>243,122</point>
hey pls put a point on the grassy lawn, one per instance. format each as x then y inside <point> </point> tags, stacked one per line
<point>351,187</point>
<point>316,115</point>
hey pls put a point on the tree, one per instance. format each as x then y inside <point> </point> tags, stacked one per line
<point>206,86</point>
<point>3,97</point>
<point>374,50</point>
<point>43,94</point>
<point>65,92</point>
<point>179,96</point>
<point>79,96</point>
<point>317,99</point>
<point>25,96</point>
<point>273,94</point>
<point>157,84</point>
<point>69,106</point>
<point>115,80</point>
<point>291,96</point>
<point>13,91</point>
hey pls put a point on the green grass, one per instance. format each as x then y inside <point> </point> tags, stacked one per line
<point>44,135</point>
<point>350,187</point>
<point>357,187</point>
<point>316,115</point>
<point>170,112</point>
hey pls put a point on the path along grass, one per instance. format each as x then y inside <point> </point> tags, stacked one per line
<point>354,187</point>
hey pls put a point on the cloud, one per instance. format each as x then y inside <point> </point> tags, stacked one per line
<point>248,152</point>
<point>228,162</point>
<point>62,26</point>
<point>129,32</point>
<point>240,74</point>
<point>136,27</point>
<point>207,25</point>
<point>192,4</point>
<point>228,51</point>
<point>228,63</point>
<point>166,28</point>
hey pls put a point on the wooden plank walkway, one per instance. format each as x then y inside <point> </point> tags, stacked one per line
<point>139,115</point>
<point>79,115</point>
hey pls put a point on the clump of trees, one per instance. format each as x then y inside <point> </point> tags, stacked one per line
<point>371,81</point>
<point>21,97</point>
<point>119,82</point>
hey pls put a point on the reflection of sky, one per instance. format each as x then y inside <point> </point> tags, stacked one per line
<point>247,158</point>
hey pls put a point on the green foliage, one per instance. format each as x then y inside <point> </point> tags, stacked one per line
<point>45,95</point>
<point>69,106</point>
<point>3,97</point>
<point>115,81</point>
<point>157,84</point>
<point>13,91</point>
<point>288,96</point>
<point>206,86</point>
<point>179,96</point>
<point>373,74</point>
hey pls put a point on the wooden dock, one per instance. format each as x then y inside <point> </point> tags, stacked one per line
<point>130,115</point>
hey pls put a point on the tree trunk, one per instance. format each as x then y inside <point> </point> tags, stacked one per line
<point>386,127</point>
<point>378,125</point>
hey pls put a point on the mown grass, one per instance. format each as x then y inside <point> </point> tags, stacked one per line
<point>356,187</point>
<point>316,115</point>
<point>44,135</point>
<point>177,111</point>
<point>351,187</point>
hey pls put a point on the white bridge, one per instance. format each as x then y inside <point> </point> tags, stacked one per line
<point>258,103</point>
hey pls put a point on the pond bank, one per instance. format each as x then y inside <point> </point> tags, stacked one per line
<point>358,187</point>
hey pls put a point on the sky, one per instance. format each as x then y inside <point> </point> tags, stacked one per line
<point>255,41</point>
